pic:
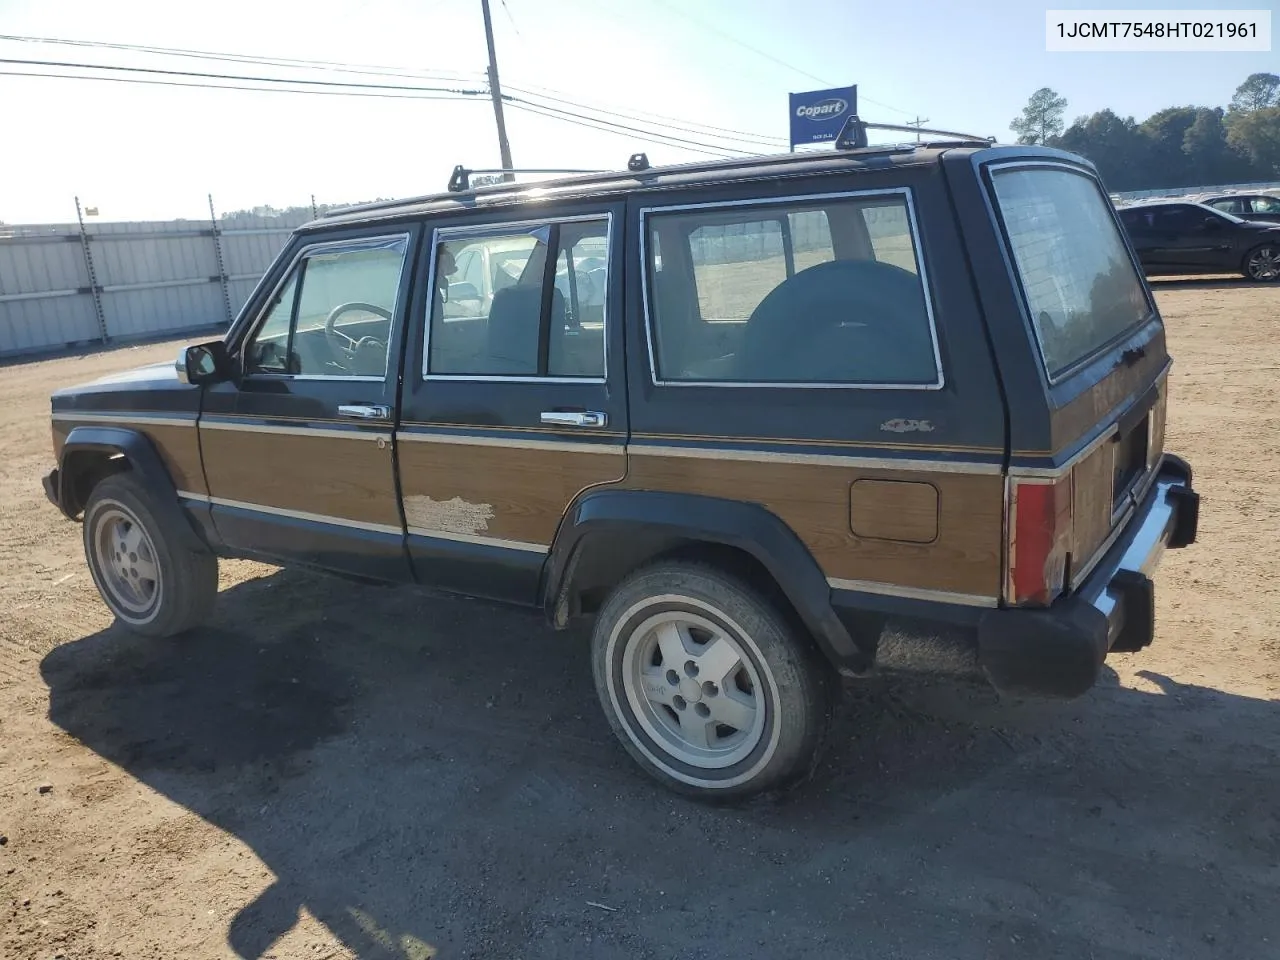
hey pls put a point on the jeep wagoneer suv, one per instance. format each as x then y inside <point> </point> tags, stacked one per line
<point>766,422</point>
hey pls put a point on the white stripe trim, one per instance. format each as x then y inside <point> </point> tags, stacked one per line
<point>482,541</point>
<point>912,593</point>
<point>70,416</point>
<point>353,434</point>
<point>822,459</point>
<point>471,440</point>
<point>293,514</point>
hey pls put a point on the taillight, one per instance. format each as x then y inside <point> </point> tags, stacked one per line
<point>1039,539</point>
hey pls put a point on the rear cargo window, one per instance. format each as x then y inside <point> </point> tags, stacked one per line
<point>1080,284</point>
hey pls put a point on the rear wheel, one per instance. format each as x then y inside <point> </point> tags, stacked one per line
<point>1263,263</point>
<point>153,583</point>
<point>708,683</point>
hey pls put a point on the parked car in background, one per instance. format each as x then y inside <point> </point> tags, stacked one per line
<point>1246,206</point>
<point>1182,238</point>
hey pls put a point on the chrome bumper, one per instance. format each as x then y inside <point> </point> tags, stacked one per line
<point>1120,588</point>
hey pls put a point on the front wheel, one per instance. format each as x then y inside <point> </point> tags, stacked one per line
<point>1263,263</point>
<point>153,583</point>
<point>709,684</point>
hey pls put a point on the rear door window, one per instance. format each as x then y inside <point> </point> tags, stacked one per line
<point>806,292</point>
<point>1080,285</point>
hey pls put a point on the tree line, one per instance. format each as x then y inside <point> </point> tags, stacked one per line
<point>1175,147</point>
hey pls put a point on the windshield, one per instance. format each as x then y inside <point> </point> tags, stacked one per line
<point>1080,285</point>
<point>1221,213</point>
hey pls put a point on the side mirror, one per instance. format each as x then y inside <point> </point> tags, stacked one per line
<point>203,362</point>
<point>1212,223</point>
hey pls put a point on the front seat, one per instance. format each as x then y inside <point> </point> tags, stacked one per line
<point>514,319</point>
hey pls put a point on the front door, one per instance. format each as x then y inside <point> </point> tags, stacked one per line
<point>298,451</point>
<point>514,394</point>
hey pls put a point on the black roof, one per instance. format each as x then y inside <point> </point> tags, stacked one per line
<point>779,166</point>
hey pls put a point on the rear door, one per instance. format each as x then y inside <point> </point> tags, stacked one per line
<point>1194,238</point>
<point>514,398</point>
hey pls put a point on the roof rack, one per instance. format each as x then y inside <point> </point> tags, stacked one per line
<point>853,135</point>
<point>460,179</point>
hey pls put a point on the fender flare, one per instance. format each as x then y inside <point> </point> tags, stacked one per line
<point>628,527</point>
<point>144,461</point>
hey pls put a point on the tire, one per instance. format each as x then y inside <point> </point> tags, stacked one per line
<point>751,702</point>
<point>153,583</point>
<point>1262,263</point>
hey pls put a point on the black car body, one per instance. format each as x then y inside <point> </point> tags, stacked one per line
<point>1246,206</point>
<point>889,406</point>
<point>1178,237</point>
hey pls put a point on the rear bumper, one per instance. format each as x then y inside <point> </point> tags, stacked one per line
<point>1059,651</point>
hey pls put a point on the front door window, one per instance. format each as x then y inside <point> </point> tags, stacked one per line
<point>332,318</point>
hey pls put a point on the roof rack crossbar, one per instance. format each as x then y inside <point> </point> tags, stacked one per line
<point>853,135</point>
<point>460,180</point>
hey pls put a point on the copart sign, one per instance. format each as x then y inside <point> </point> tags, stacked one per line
<point>818,115</point>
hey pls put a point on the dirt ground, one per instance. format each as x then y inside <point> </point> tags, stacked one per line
<point>335,771</point>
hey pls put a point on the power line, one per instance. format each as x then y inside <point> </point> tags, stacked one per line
<point>225,76</point>
<point>711,28</point>
<point>540,92</point>
<point>688,126</point>
<point>623,127</point>
<point>742,43</point>
<point>390,91</point>
<point>469,95</point>
<point>650,136</point>
<point>288,62</point>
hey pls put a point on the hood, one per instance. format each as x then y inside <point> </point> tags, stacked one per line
<point>153,377</point>
<point>152,371</point>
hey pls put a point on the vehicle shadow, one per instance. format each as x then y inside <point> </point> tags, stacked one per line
<point>423,774</point>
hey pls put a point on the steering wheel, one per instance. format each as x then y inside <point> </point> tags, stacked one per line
<point>341,341</point>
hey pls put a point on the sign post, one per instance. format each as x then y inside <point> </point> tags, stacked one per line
<point>818,115</point>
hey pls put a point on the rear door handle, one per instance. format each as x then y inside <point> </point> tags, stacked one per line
<point>575,418</point>
<point>365,411</point>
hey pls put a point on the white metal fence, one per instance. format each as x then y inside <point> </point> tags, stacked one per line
<point>69,284</point>
<point>1195,191</point>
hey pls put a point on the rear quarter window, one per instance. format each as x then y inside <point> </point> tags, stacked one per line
<point>1080,285</point>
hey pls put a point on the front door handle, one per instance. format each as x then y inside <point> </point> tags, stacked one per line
<point>575,418</point>
<point>365,411</point>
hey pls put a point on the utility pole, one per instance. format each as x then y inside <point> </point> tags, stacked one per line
<point>917,123</point>
<point>495,91</point>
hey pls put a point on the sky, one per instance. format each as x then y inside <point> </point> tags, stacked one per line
<point>152,152</point>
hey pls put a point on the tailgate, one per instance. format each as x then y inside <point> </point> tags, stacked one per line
<point>1111,475</point>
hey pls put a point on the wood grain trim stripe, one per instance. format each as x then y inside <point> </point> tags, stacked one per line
<point>354,433</point>
<point>292,514</point>
<point>67,416</point>
<point>838,444</point>
<point>470,440</point>
<point>912,593</point>
<point>819,459</point>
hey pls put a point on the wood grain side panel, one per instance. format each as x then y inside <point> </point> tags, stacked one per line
<point>894,510</point>
<point>351,479</point>
<point>512,493</point>
<point>814,501</point>
<point>1091,502</point>
<point>179,448</point>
